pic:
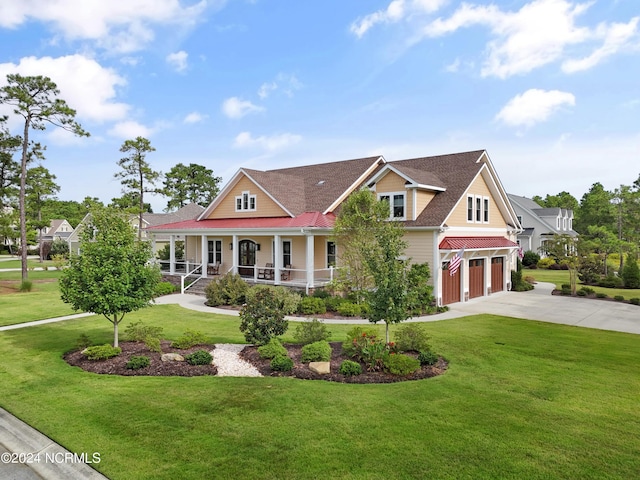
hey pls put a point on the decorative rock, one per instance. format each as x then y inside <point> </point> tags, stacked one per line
<point>320,367</point>
<point>172,357</point>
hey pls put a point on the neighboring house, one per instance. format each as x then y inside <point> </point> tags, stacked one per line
<point>187,212</point>
<point>540,224</point>
<point>57,230</point>
<point>276,226</point>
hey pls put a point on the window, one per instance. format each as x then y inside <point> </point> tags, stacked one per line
<point>520,219</point>
<point>558,223</point>
<point>564,223</point>
<point>478,209</point>
<point>331,254</point>
<point>215,251</point>
<point>286,252</point>
<point>397,208</point>
<point>485,210</point>
<point>470,208</point>
<point>245,202</point>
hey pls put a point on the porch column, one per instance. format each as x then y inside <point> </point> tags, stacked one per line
<point>204,259</point>
<point>234,254</point>
<point>310,260</point>
<point>277,261</point>
<point>172,254</point>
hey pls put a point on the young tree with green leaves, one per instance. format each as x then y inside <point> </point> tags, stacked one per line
<point>191,183</point>
<point>35,99</point>
<point>137,176</point>
<point>631,272</point>
<point>112,276</point>
<point>40,187</point>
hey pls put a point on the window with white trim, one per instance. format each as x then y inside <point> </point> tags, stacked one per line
<point>397,204</point>
<point>286,253</point>
<point>331,254</point>
<point>478,209</point>
<point>470,208</point>
<point>485,209</point>
<point>245,202</point>
<point>214,251</point>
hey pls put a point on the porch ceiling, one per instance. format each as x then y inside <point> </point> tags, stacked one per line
<point>470,243</point>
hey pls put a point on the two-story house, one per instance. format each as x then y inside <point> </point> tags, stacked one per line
<point>275,226</point>
<point>540,224</point>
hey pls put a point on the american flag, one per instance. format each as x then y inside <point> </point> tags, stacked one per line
<point>454,264</point>
<point>520,253</point>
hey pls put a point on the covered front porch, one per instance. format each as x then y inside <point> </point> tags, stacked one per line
<point>301,259</point>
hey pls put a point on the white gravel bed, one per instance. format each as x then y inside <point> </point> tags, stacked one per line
<point>229,363</point>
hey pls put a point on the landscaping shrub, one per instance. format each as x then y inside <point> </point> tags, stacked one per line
<point>427,357</point>
<point>83,342</point>
<point>316,352</point>
<point>601,295</point>
<point>199,357</point>
<point>312,306</point>
<point>590,269</point>
<point>189,338</point>
<point>584,291</point>
<point>565,289</point>
<point>517,283</point>
<point>563,265</point>
<point>282,363</point>
<point>610,281</point>
<point>400,364</point>
<point>529,279</point>
<point>137,362</point>
<point>229,289</point>
<point>164,288</point>
<point>348,309</point>
<point>59,261</point>
<point>581,293</point>
<point>59,247</point>
<point>321,293</point>
<point>350,368</point>
<point>25,286</point>
<point>530,259</point>
<point>332,303</point>
<point>289,299</point>
<point>139,332</point>
<point>631,272</point>
<point>309,332</point>
<point>263,317</point>
<point>153,344</point>
<point>371,350</point>
<point>411,337</point>
<point>635,301</point>
<point>419,293</point>
<point>546,262</point>
<point>272,349</point>
<point>102,352</point>
<point>619,298</point>
<point>352,335</point>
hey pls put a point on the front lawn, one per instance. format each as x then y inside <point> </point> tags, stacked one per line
<point>558,277</point>
<point>521,399</point>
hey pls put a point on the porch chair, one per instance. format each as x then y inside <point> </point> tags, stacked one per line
<point>286,273</point>
<point>266,273</point>
<point>213,269</point>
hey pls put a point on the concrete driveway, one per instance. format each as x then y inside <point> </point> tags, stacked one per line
<point>539,304</point>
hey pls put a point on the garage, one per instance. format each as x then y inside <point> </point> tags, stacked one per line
<point>450,286</point>
<point>476,278</point>
<point>497,274</point>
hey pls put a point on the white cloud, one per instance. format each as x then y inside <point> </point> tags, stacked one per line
<point>396,10</point>
<point>235,107</point>
<point>130,129</point>
<point>285,82</point>
<point>273,142</point>
<point>615,37</point>
<point>122,26</point>
<point>534,106</point>
<point>266,88</point>
<point>195,117</point>
<point>84,84</point>
<point>178,60</point>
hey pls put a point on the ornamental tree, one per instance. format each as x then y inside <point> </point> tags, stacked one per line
<point>112,276</point>
<point>36,100</point>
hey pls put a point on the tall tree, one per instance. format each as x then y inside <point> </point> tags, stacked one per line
<point>41,186</point>
<point>561,200</point>
<point>190,184</point>
<point>596,208</point>
<point>137,176</point>
<point>600,241</point>
<point>36,100</point>
<point>9,182</point>
<point>130,202</point>
<point>113,275</point>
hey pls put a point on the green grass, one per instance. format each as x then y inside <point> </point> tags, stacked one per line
<point>30,264</point>
<point>558,277</point>
<point>521,399</point>
<point>42,302</point>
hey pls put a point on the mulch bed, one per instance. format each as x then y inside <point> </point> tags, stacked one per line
<point>302,370</point>
<point>117,365</point>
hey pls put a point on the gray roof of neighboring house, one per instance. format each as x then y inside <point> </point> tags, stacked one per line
<point>188,212</point>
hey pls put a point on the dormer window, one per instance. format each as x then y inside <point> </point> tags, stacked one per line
<point>245,202</point>
<point>397,206</point>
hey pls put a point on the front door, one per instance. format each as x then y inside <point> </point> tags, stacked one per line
<point>246,257</point>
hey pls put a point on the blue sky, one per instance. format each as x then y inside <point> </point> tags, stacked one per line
<point>548,87</point>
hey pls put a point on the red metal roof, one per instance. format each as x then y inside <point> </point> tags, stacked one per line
<point>456,243</point>
<point>306,220</point>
